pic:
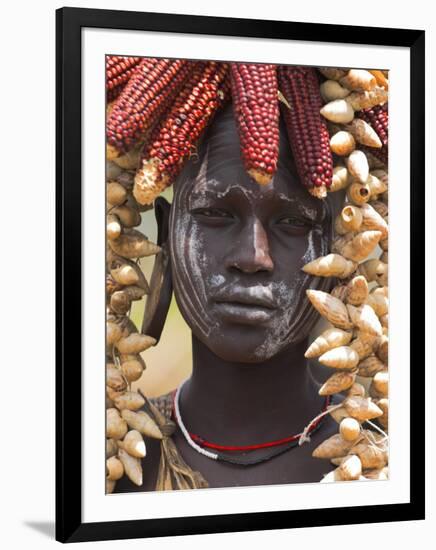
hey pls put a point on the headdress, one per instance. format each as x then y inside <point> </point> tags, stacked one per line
<point>337,125</point>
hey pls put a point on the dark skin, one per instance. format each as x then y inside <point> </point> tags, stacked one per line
<point>237,250</point>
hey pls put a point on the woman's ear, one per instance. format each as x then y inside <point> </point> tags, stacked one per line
<point>161,287</point>
<point>162,209</point>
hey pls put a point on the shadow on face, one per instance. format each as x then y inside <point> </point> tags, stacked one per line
<point>237,249</point>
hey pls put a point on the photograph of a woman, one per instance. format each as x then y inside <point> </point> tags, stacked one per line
<point>266,187</point>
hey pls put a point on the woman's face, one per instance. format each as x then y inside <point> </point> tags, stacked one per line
<point>237,249</point>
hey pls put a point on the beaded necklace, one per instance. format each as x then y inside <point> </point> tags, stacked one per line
<point>201,445</point>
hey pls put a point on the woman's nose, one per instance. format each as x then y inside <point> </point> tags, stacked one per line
<point>250,253</point>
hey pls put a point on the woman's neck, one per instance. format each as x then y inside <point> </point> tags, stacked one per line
<point>240,403</point>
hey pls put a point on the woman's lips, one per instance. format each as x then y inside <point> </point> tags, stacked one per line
<point>243,313</point>
<point>245,305</point>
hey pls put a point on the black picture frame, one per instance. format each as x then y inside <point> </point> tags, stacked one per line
<point>69,22</point>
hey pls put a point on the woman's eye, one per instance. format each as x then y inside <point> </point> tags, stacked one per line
<point>213,213</point>
<point>294,222</point>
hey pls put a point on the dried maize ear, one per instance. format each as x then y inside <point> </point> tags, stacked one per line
<point>118,71</point>
<point>307,130</point>
<point>173,141</point>
<point>150,90</point>
<point>254,95</point>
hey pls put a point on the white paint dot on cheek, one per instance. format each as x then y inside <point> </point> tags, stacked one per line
<point>216,280</point>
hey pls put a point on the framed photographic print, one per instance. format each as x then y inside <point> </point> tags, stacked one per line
<point>240,225</point>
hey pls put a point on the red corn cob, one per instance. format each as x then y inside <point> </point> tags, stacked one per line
<point>118,71</point>
<point>255,103</point>
<point>307,130</point>
<point>149,91</point>
<point>173,140</point>
<point>378,118</point>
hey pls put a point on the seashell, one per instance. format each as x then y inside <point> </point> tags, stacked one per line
<point>349,429</point>
<point>360,246</point>
<point>128,216</point>
<point>357,389</point>
<point>357,290</point>
<point>333,447</point>
<point>332,73</point>
<point>363,348</point>
<point>384,244</point>
<point>342,357</point>
<point>357,165</point>
<point>384,257</point>
<point>350,219</point>
<point>113,227</point>
<point>329,339</point>
<point>332,265</point>
<point>338,382</point>
<point>111,448</point>
<point>342,143</point>
<point>329,307</point>
<point>132,466</point>
<point>340,292</point>
<point>381,78</point>
<point>379,303</point>
<point>110,486</point>
<point>121,300</point>
<point>129,161</point>
<point>132,366</point>
<point>126,273</point>
<point>382,290</point>
<point>133,244</point>
<point>142,422</point>
<point>116,194</point>
<point>114,468</point>
<point>374,270</point>
<point>370,366</point>
<point>340,179</point>
<point>370,456</point>
<point>363,133</point>
<point>358,193</point>
<point>382,175</point>
<point>111,395</point>
<point>113,333</point>
<point>134,444</point>
<point>334,475</point>
<point>367,99</point>
<point>373,220</point>
<point>380,382</point>
<point>131,400</point>
<point>135,343</point>
<point>358,79</point>
<point>338,110</point>
<point>376,186</point>
<point>384,320</point>
<point>381,348</point>
<point>381,208</point>
<point>331,90</point>
<point>115,378</point>
<point>113,171</point>
<point>365,319</point>
<point>338,414</point>
<point>361,408</point>
<point>116,427</point>
<point>350,468</point>
<point>376,473</point>
<point>383,404</point>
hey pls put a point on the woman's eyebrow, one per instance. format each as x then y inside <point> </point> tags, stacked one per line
<point>307,210</point>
